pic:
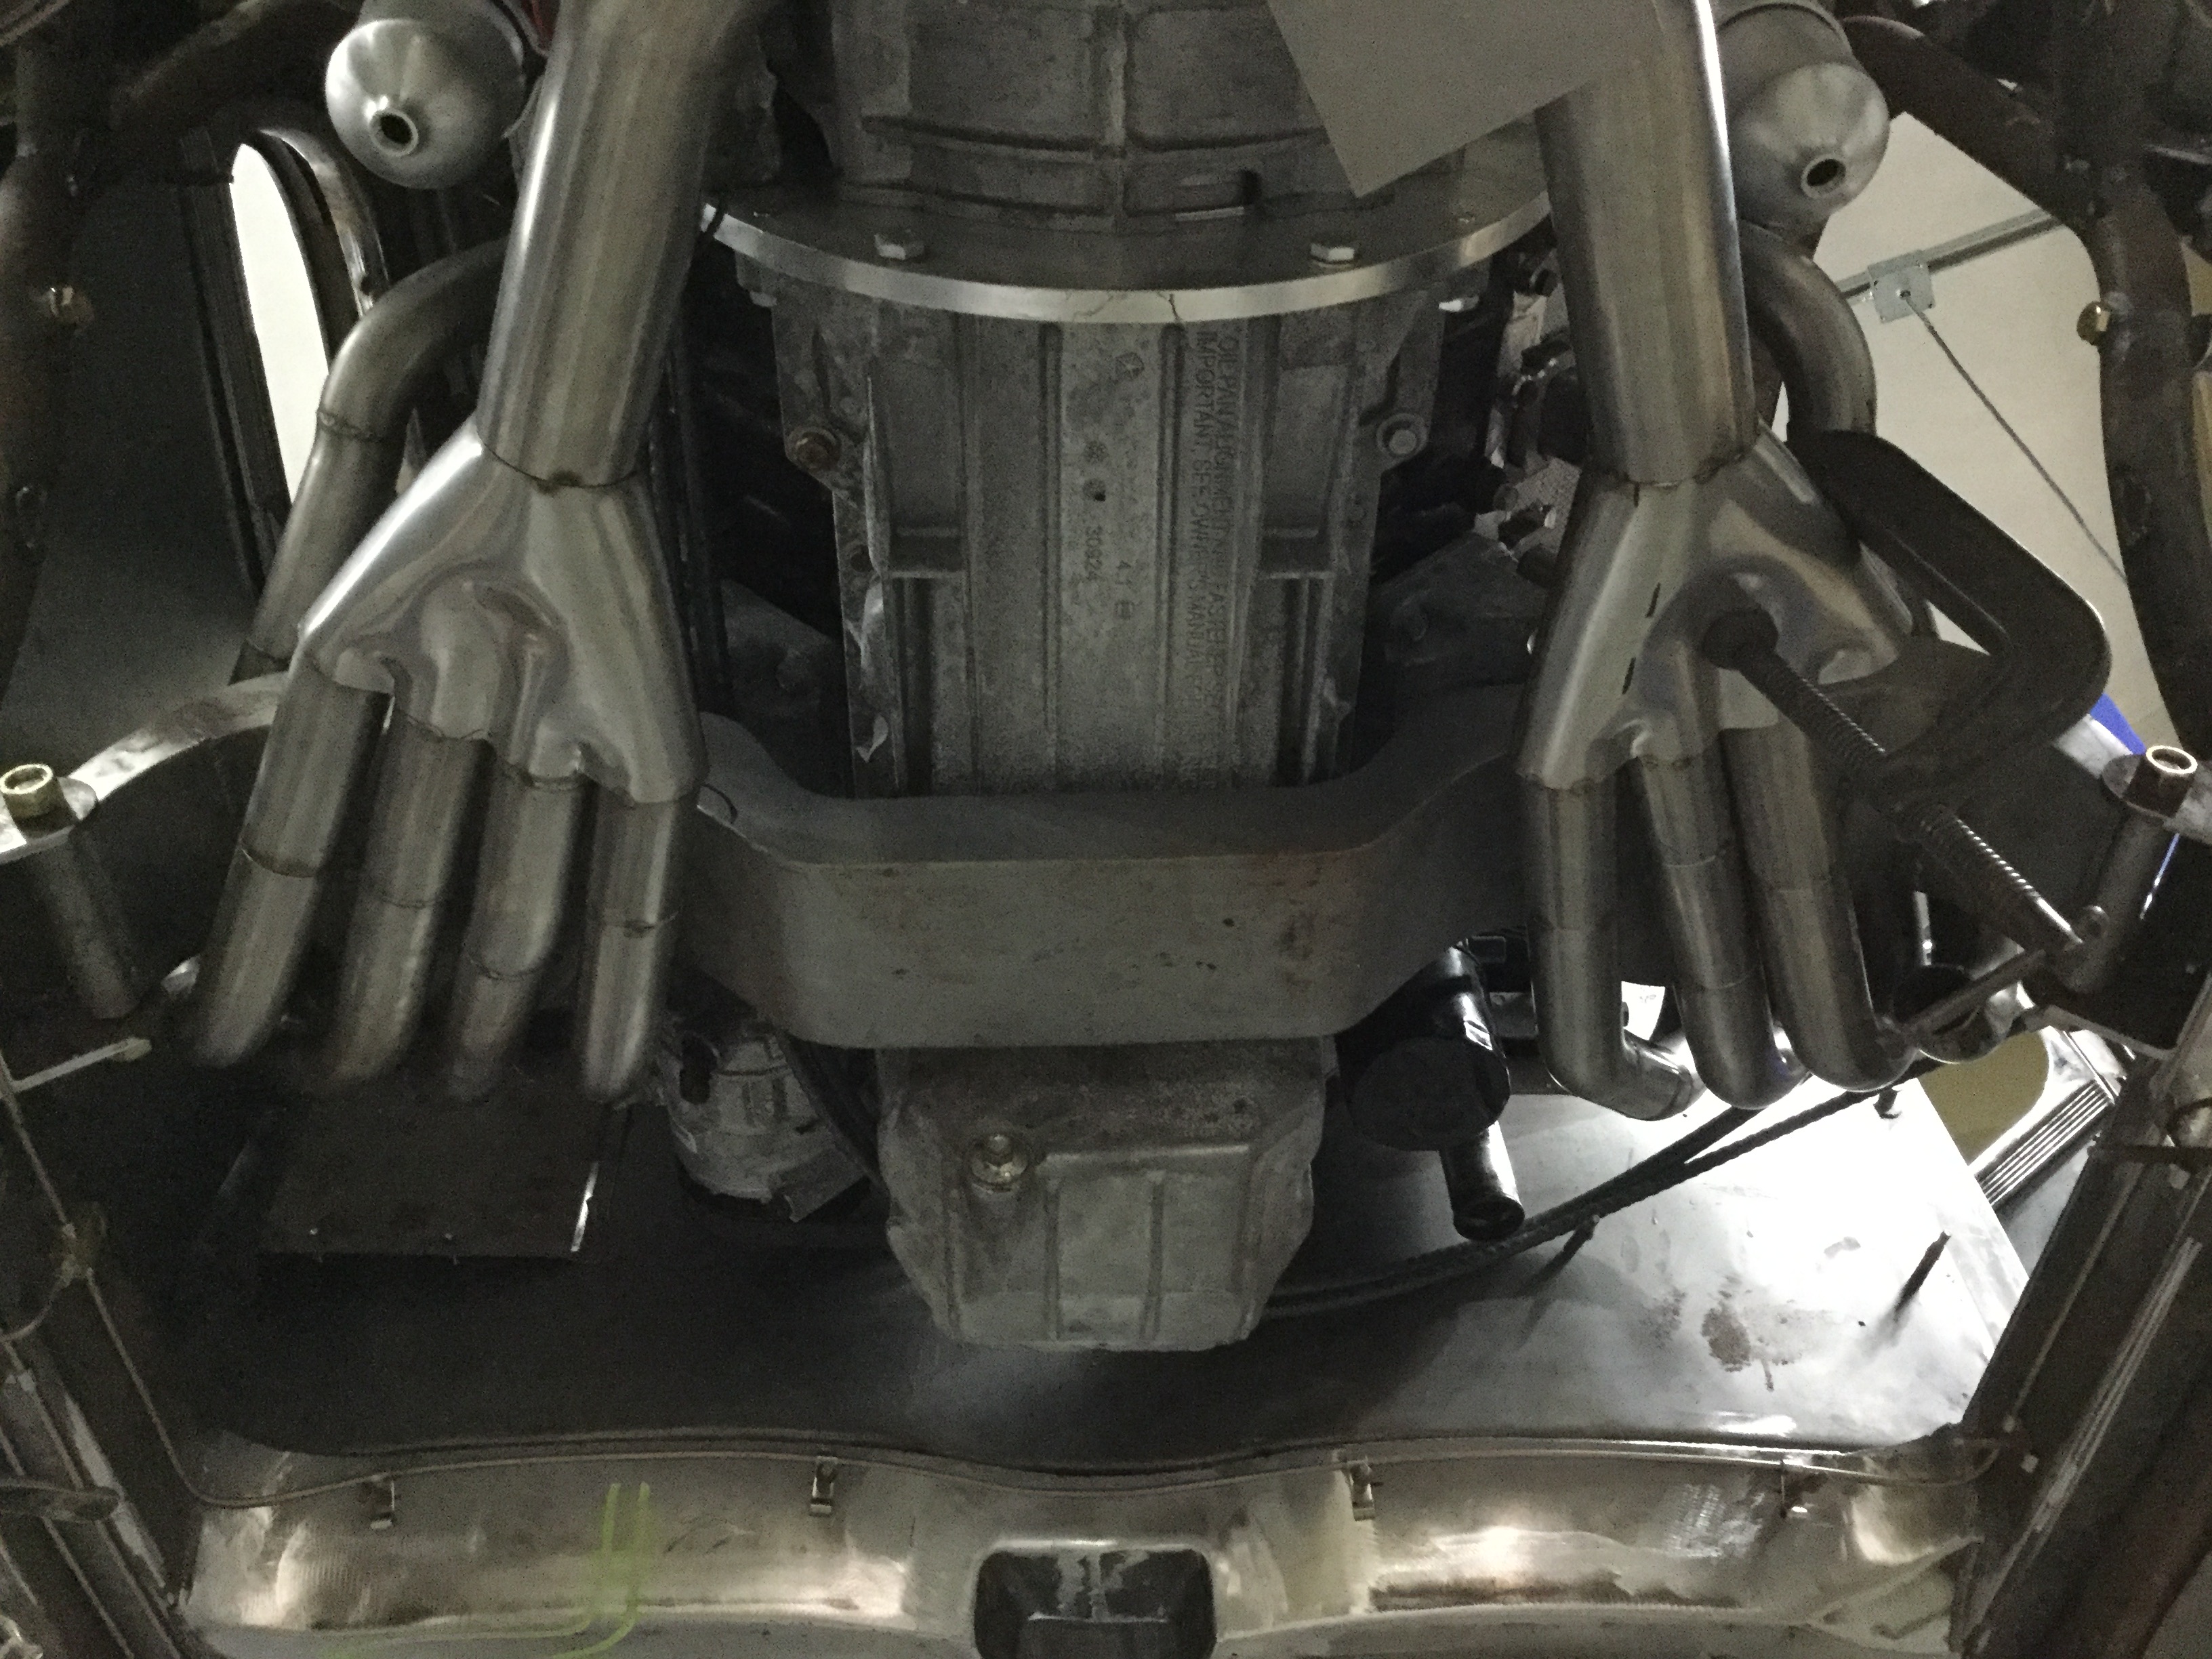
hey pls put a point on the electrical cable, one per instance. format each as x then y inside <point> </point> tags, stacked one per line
<point>2018,442</point>
<point>1684,1160</point>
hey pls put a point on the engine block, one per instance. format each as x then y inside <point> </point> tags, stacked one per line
<point>1083,548</point>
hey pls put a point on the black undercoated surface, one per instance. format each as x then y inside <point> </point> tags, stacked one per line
<point>1734,1308</point>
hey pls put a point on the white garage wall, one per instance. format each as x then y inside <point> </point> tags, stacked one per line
<point>283,305</point>
<point>2009,317</point>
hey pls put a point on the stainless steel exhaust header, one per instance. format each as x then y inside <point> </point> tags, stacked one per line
<point>515,597</point>
<point>1686,508</point>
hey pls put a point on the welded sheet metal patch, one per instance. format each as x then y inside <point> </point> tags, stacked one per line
<point>1400,83</point>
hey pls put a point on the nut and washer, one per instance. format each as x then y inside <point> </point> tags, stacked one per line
<point>1402,436</point>
<point>32,792</point>
<point>1334,254</point>
<point>998,1162</point>
<point>2162,781</point>
<point>901,248</point>
<point>814,449</point>
<point>2095,321</point>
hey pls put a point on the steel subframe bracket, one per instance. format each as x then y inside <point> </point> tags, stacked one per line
<point>1010,921</point>
<point>1070,919</point>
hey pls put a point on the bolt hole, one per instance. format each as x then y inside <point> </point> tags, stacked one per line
<point>1096,492</point>
<point>696,1075</point>
<point>1824,175</point>
<point>395,132</point>
<point>27,780</point>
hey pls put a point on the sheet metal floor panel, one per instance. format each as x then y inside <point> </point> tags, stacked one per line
<point>1759,1304</point>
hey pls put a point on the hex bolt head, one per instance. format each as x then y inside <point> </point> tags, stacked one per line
<point>32,792</point>
<point>1334,254</point>
<point>1402,436</point>
<point>2162,781</point>
<point>814,449</point>
<point>998,1162</point>
<point>2095,322</point>
<point>901,248</point>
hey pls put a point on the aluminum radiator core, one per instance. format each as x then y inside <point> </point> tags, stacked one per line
<point>1100,541</point>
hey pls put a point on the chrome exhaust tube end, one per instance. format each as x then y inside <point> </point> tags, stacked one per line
<point>239,995</point>
<point>420,799</point>
<point>629,938</point>
<point>317,745</point>
<point>485,1022</point>
<point>522,877</point>
<point>1804,905</point>
<point>1721,992</point>
<point>625,973</point>
<point>1574,933</point>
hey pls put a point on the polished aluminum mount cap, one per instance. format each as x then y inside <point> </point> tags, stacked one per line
<point>1806,124</point>
<point>423,91</point>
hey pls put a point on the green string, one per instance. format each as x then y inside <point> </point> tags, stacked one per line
<point>635,1556</point>
<point>640,1533</point>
